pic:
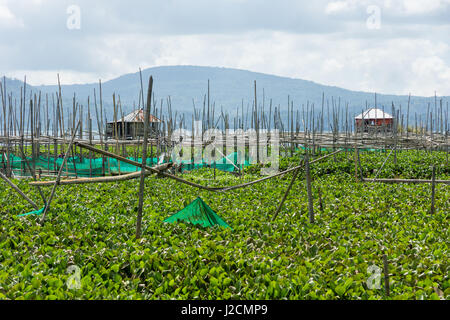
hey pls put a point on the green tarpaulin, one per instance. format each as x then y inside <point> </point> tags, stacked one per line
<point>230,163</point>
<point>198,212</point>
<point>37,212</point>
<point>94,167</point>
<point>82,167</point>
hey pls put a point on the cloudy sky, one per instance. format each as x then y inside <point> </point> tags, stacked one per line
<point>385,46</point>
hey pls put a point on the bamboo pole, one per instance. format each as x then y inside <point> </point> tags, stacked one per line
<point>193,184</point>
<point>319,191</point>
<point>379,170</point>
<point>144,159</point>
<point>386,275</point>
<point>361,177</point>
<point>291,183</point>
<point>123,177</point>
<point>16,188</point>
<point>58,178</point>
<point>309,189</point>
<point>433,189</point>
<point>407,181</point>
<point>33,174</point>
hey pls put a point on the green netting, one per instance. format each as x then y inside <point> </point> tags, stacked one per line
<point>37,212</point>
<point>95,167</point>
<point>230,163</point>
<point>198,212</point>
<point>82,167</point>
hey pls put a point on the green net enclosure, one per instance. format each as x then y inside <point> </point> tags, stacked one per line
<point>86,167</point>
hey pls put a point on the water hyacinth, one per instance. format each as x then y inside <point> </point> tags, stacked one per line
<point>92,227</point>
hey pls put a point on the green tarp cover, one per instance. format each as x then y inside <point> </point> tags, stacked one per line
<point>198,212</point>
<point>37,212</point>
<point>83,167</point>
<point>230,163</point>
<point>86,167</point>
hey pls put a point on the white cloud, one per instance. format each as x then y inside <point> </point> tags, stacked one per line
<point>409,55</point>
<point>395,7</point>
<point>431,70</point>
<point>421,7</point>
<point>49,77</point>
<point>337,6</point>
<point>332,65</point>
<point>7,18</point>
<point>385,66</point>
<point>397,66</point>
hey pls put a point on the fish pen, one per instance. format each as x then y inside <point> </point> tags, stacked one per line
<point>36,130</point>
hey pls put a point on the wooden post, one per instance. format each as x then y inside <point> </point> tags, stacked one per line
<point>359,164</point>
<point>90,142</point>
<point>33,146</point>
<point>33,173</point>
<point>433,187</point>
<point>386,274</point>
<point>73,160</point>
<point>193,184</point>
<point>379,170</point>
<point>16,188</point>
<point>144,158</point>
<point>407,181</point>
<point>116,130</point>
<point>256,126</point>
<point>286,193</point>
<point>308,188</point>
<point>320,199</point>
<point>356,162</point>
<point>55,133</point>
<point>101,130</point>
<point>123,177</point>
<point>58,178</point>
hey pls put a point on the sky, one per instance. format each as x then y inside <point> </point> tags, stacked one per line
<point>384,46</point>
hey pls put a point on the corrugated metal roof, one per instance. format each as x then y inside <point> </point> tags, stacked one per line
<point>374,113</point>
<point>137,116</point>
